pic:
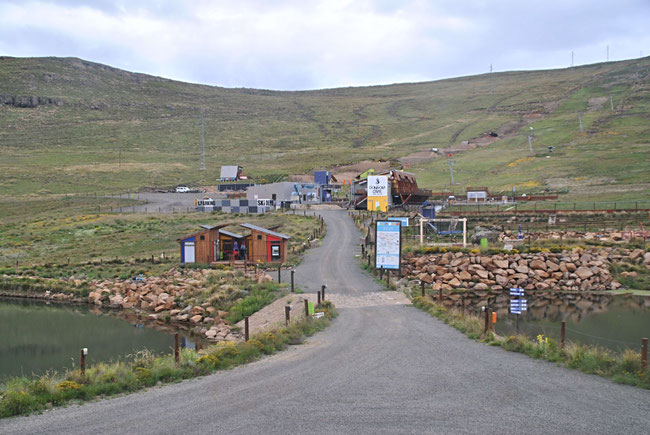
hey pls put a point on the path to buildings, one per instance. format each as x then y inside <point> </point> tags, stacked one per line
<point>381,367</point>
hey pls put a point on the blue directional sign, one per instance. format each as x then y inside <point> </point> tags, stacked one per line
<point>516,291</point>
<point>518,305</point>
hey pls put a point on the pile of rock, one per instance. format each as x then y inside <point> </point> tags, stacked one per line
<point>162,296</point>
<point>569,270</point>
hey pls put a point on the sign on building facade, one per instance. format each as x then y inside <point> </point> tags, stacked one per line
<point>377,193</point>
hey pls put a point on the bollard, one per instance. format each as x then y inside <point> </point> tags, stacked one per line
<point>307,308</point>
<point>279,274</point>
<point>422,287</point>
<point>494,317</point>
<point>318,297</point>
<point>246,330</point>
<point>176,350</point>
<point>563,334</point>
<point>82,361</point>
<point>381,273</point>
<point>152,260</point>
<point>388,278</point>
<point>486,327</point>
<point>322,290</point>
<point>644,354</point>
<point>440,294</point>
<point>287,315</point>
<point>462,305</point>
<point>292,287</point>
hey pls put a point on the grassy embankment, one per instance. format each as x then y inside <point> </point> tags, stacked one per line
<point>624,368</point>
<point>23,395</point>
<point>117,130</point>
<point>55,230</point>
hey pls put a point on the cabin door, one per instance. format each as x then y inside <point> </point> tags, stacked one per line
<point>188,252</point>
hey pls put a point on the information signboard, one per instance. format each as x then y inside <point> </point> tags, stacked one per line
<point>402,219</point>
<point>388,247</point>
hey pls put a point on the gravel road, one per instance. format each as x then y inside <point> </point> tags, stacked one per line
<point>380,368</point>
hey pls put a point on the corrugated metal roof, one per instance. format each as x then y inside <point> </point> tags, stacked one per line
<point>264,230</point>
<point>229,171</point>
<point>229,234</point>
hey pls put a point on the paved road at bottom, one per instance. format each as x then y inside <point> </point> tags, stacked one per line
<point>377,369</point>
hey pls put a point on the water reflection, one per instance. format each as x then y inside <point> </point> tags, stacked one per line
<point>37,337</point>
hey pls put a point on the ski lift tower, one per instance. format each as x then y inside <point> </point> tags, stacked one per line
<point>450,160</point>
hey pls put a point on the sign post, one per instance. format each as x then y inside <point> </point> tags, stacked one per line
<point>388,245</point>
<point>518,305</point>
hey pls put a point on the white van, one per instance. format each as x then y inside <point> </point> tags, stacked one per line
<point>182,189</point>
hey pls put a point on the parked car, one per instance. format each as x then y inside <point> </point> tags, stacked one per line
<point>182,189</point>
<point>434,150</point>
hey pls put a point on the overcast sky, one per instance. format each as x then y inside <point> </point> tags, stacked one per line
<point>303,44</point>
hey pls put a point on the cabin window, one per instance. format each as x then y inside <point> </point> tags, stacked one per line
<point>202,237</point>
<point>259,237</point>
<point>275,251</point>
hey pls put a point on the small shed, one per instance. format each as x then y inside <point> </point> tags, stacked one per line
<point>266,245</point>
<point>202,246</point>
<point>231,173</point>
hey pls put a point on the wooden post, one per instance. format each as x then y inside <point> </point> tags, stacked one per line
<point>644,354</point>
<point>322,290</point>
<point>388,278</point>
<point>462,305</point>
<point>292,287</point>
<point>287,315</point>
<point>279,274</point>
<point>319,297</point>
<point>152,261</point>
<point>176,349</point>
<point>563,334</point>
<point>486,327</point>
<point>82,361</point>
<point>440,294</point>
<point>246,330</point>
<point>306,308</point>
<point>422,287</point>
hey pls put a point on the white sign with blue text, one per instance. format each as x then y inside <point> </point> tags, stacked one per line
<point>403,220</point>
<point>388,246</point>
<point>517,306</point>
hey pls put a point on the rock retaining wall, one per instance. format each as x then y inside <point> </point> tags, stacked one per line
<point>573,270</point>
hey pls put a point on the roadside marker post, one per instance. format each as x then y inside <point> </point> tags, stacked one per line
<point>422,287</point>
<point>644,354</point>
<point>287,314</point>
<point>82,362</point>
<point>563,334</point>
<point>292,287</point>
<point>307,308</point>
<point>322,289</point>
<point>176,350</point>
<point>246,330</point>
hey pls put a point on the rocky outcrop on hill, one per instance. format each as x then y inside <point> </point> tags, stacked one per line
<point>577,269</point>
<point>28,100</point>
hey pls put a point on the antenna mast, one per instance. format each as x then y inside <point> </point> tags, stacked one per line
<point>202,143</point>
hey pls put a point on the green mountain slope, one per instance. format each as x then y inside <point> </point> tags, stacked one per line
<point>69,125</point>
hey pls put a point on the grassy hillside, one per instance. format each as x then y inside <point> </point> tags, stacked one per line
<point>105,129</point>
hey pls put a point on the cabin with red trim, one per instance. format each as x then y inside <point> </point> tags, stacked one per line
<point>266,245</point>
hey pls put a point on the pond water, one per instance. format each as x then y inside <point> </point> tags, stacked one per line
<point>36,337</point>
<point>615,325</point>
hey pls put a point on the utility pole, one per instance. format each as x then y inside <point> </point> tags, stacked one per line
<point>608,53</point>
<point>491,81</point>
<point>202,143</point>
<point>451,167</point>
<point>580,121</point>
<point>571,58</point>
<point>530,141</point>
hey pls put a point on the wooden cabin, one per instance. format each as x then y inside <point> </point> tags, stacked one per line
<point>266,245</point>
<point>202,246</point>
